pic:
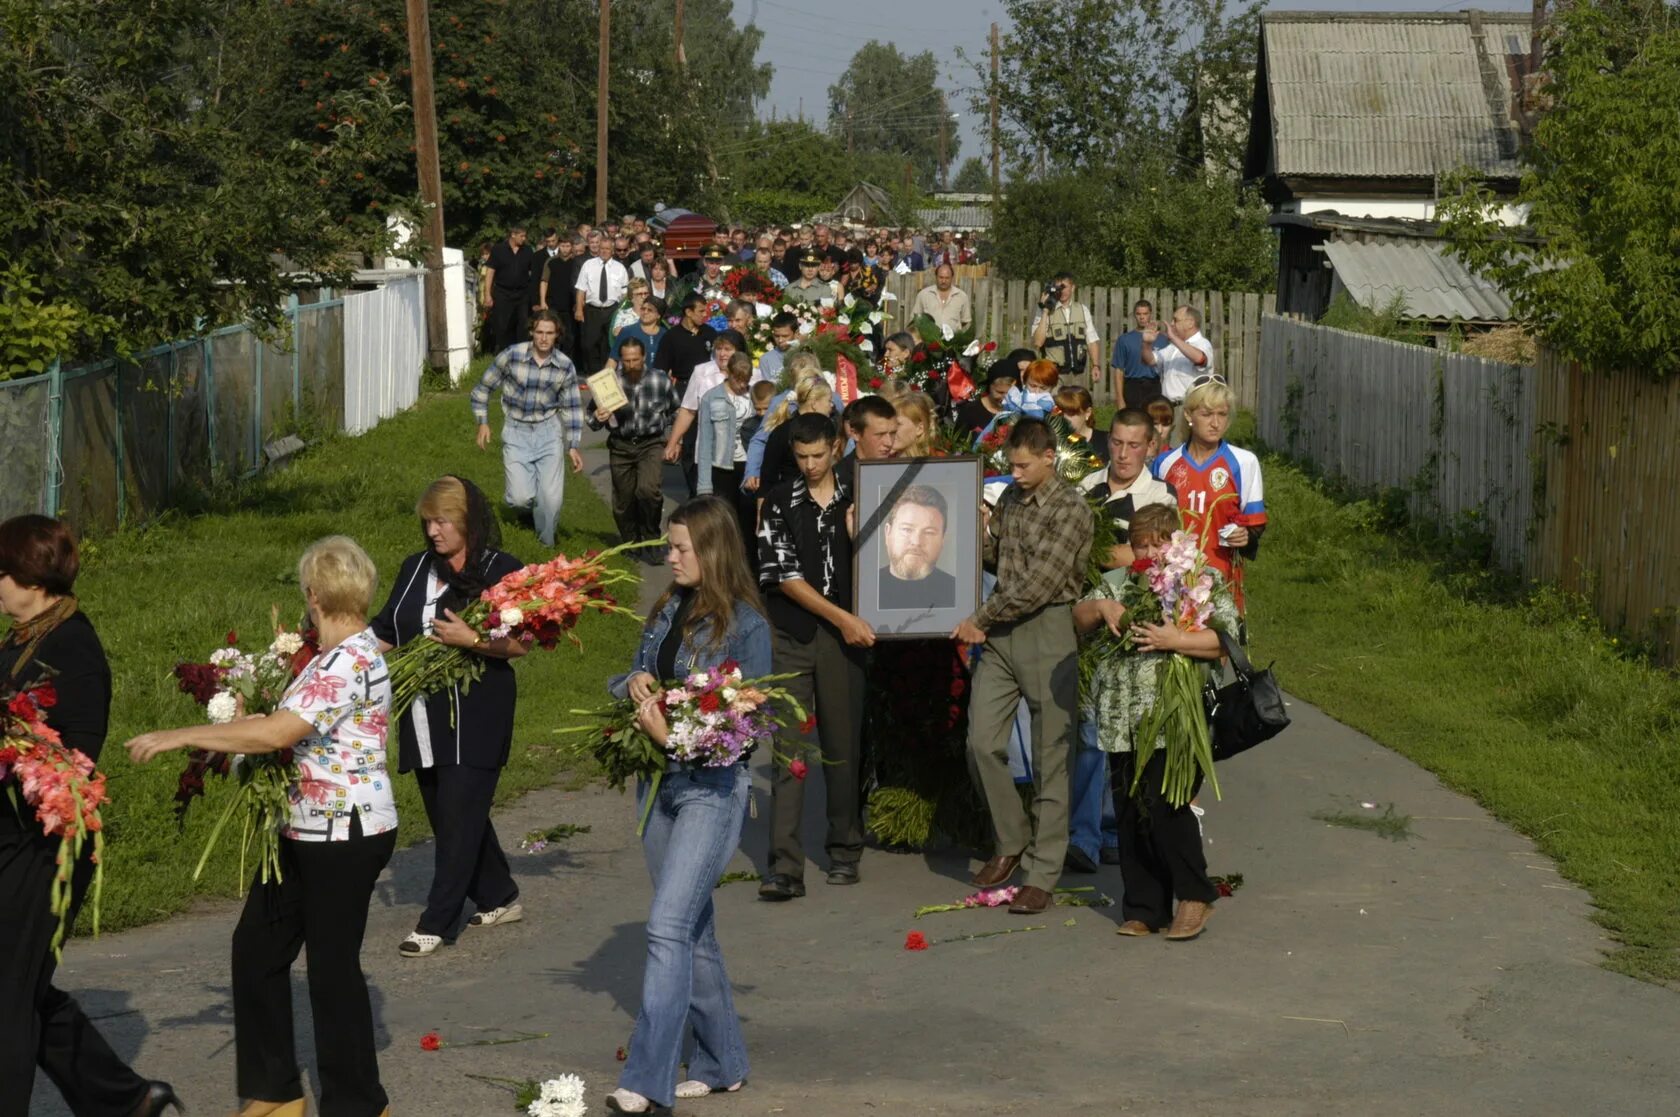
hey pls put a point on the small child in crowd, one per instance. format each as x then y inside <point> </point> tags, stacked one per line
<point>1035,395</point>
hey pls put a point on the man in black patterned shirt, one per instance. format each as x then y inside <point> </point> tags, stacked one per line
<point>635,444</point>
<point>805,552</point>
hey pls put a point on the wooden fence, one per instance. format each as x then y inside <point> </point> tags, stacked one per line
<point>1004,310</point>
<point>1606,471</point>
<point>1570,472</point>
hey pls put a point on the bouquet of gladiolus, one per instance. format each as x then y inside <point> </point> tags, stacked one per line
<point>536,604</point>
<point>238,683</point>
<point>1180,581</point>
<point>714,716</point>
<point>63,787</point>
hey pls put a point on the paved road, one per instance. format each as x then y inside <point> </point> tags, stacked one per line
<point>1451,973</point>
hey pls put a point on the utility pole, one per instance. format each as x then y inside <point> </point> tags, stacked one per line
<point>682,59</point>
<point>601,114</point>
<point>431,179</point>
<point>848,131</point>
<point>944,120</point>
<point>996,180</point>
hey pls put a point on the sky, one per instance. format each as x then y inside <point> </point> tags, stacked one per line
<point>810,48</point>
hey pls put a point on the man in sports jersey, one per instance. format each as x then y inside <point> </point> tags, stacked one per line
<point>1218,485</point>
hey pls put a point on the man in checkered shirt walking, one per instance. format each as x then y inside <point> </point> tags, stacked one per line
<point>542,410</point>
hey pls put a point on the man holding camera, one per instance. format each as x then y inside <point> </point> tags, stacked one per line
<point>1064,332</point>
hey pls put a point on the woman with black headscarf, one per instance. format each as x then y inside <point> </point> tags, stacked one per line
<point>456,741</point>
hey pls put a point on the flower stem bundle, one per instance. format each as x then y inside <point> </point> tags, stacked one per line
<point>536,604</point>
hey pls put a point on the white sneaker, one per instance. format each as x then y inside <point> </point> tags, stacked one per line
<point>627,1101</point>
<point>418,945</point>
<point>507,913</point>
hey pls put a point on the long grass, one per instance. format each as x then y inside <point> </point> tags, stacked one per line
<point>171,591</point>
<point>1519,700</point>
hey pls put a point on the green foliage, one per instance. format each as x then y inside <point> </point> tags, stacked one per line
<point>141,184</point>
<point>1143,223</point>
<point>1600,277</point>
<point>1388,320</point>
<point>972,177</point>
<point>889,103</point>
<point>516,126</point>
<point>33,333</point>
<point>1090,83</point>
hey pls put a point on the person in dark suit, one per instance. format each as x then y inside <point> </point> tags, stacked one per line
<point>915,535</point>
<point>456,741</point>
<point>51,639</point>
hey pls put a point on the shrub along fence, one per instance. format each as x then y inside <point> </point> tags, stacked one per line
<point>1569,472</point>
<point>119,441</point>
<point>1004,310</point>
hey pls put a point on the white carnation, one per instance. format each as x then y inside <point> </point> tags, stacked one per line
<point>511,616</point>
<point>287,643</point>
<point>222,708</point>
<point>566,1088</point>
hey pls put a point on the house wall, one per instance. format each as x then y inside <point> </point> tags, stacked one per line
<point>1353,205</point>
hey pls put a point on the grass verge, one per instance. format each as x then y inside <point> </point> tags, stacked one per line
<point>1522,702</point>
<point>170,591</point>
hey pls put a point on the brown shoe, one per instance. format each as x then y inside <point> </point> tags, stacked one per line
<point>1135,928</point>
<point>1190,920</point>
<point>1031,900</point>
<point>997,870</point>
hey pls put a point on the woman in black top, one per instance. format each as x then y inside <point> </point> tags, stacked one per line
<point>456,742</point>
<point>51,638</point>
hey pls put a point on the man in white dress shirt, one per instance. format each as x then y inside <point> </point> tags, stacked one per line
<point>601,284</point>
<point>1186,356</point>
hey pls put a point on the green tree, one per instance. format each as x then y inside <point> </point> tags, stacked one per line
<point>1088,83</point>
<point>1597,273</point>
<point>137,188</point>
<point>889,104</point>
<point>516,125</point>
<point>972,177</point>
<point>1143,224</point>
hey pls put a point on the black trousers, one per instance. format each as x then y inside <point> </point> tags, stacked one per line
<point>830,684</point>
<point>321,903</point>
<point>1138,391</point>
<point>593,343</point>
<point>1161,855</point>
<point>469,862</point>
<point>726,486</point>
<point>41,1024</point>
<point>637,467</point>
<point>509,318</point>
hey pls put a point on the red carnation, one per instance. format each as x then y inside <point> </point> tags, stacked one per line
<point>709,702</point>
<point>232,637</point>
<point>730,666</point>
<point>808,724</point>
<point>798,769</point>
<point>1225,888</point>
<point>957,688</point>
<point>621,1055</point>
<point>988,347</point>
<point>875,382</point>
<point>21,706</point>
<point>431,1041</point>
<point>1142,565</point>
<point>915,940</point>
<point>45,695</point>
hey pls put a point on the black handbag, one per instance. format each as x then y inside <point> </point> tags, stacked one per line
<point>1247,711</point>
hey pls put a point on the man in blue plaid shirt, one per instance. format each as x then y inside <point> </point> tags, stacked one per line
<point>539,394</point>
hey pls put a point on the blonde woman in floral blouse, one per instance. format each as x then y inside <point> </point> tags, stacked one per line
<point>337,840</point>
<point>1161,856</point>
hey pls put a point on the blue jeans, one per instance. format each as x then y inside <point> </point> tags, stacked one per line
<point>533,470</point>
<point>1091,822</point>
<point>691,834</point>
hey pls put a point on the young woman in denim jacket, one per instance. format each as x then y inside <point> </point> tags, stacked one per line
<point>711,614</point>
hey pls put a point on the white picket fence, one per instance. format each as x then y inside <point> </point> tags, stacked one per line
<point>384,347</point>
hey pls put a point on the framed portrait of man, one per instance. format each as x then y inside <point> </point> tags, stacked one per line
<point>917,552</point>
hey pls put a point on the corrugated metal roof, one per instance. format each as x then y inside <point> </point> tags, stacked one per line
<point>955,217</point>
<point>1393,95</point>
<point>1435,285</point>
